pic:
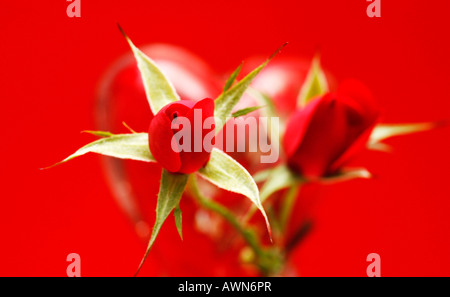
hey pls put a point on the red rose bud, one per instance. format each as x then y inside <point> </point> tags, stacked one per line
<point>181,135</point>
<point>330,130</point>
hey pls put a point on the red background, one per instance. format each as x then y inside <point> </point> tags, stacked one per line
<point>50,69</point>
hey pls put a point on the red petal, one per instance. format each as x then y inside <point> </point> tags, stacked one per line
<point>365,112</point>
<point>355,148</point>
<point>358,96</point>
<point>193,161</point>
<point>181,107</point>
<point>324,139</point>
<point>160,142</point>
<point>206,105</point>
<point>297,126</point>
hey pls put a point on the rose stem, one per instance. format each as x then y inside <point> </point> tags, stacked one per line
<point>247,234</point>
<point>288,205</point>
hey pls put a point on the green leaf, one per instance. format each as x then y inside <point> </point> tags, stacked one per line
<point>178,220</point>
<point>232,78</point>
<point>245,111</point>
<point>315,83</point>
<point>226,101</point>
<point>270,112</point>
<point>379,146</point>
<point>122,146</point>
<point>170,191</point>
<point>287,205</point>
<point>280,177</point>
<point>99,133</point>
<point>263,99</point>
<point>385,131</point>
<point>276,179</point>
<point>347,174</point>
<point>158,88</point>
<point>224,172</point>
<point>262,175</point>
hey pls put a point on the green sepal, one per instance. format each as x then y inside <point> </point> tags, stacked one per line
<point>226,173</point>
<point>170,191</point>
<point>158,88</point>
<point>122,146</point>
<point>226,101</point>
<point>315,84</point>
